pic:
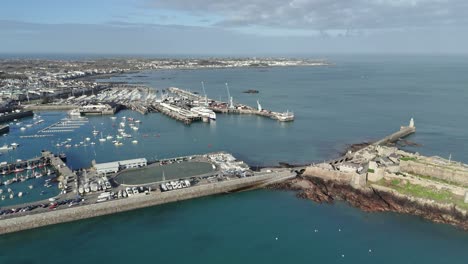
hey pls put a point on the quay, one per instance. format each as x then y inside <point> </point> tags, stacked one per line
<point>50,107</point>
<point>230,107</point>
<point>177,113</point>
<point>7,117</point>
<point>64,173</point>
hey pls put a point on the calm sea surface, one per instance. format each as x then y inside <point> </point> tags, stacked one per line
<point>358,98</point>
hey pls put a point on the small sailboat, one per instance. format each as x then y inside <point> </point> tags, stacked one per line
<point>20,194</point>
<point>135,141</point>
<point>102,139</point>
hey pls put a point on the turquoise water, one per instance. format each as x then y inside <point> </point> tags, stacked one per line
<point>240,228</point>
<point>356,99</point>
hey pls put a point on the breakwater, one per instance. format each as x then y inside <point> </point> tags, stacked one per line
<point>135,202</point>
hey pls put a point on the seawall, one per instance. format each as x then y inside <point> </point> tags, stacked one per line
<point>325,186</point>
<point>431,170</point>
<point>115,206</point>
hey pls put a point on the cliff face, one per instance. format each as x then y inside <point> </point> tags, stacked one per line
<point>373,199</point>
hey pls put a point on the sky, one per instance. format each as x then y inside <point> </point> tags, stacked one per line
<point>234,27</point>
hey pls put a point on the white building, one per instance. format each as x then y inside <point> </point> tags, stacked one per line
<point>115,166</point>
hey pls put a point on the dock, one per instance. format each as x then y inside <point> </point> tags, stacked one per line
<point>64,173</point>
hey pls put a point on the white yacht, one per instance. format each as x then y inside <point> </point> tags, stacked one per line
<point>5,148</point>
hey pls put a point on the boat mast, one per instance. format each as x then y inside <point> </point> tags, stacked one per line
<point>231,105</point>
<point>204,93</point>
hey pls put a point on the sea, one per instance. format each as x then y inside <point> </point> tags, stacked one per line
<point>355,99</point>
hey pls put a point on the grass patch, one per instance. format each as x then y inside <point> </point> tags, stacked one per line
<point>443,196</point>
<point>370,170</point>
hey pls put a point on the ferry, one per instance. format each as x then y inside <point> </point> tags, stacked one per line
<point>204,112</point>
<point>285,117</point>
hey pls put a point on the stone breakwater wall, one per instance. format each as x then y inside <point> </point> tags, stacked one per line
<point>135,202</point>
<point>444,173</point>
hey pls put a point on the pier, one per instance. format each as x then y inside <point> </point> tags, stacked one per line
<point>23,164</point>
<point>31,220</point>
<point>403,132</point>
<point>64,173</point>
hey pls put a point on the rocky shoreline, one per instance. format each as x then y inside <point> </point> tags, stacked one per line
<point>373,199</point>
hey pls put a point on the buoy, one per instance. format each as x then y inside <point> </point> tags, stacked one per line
<point>276,238</point>
<point>342,255</point>
<point>370,250</point>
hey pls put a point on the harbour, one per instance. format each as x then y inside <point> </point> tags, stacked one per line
<point>315,135</point>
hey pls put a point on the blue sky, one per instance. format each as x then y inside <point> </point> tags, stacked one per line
<point>234,27</point>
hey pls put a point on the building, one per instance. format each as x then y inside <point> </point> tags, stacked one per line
<point>116,166</point>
